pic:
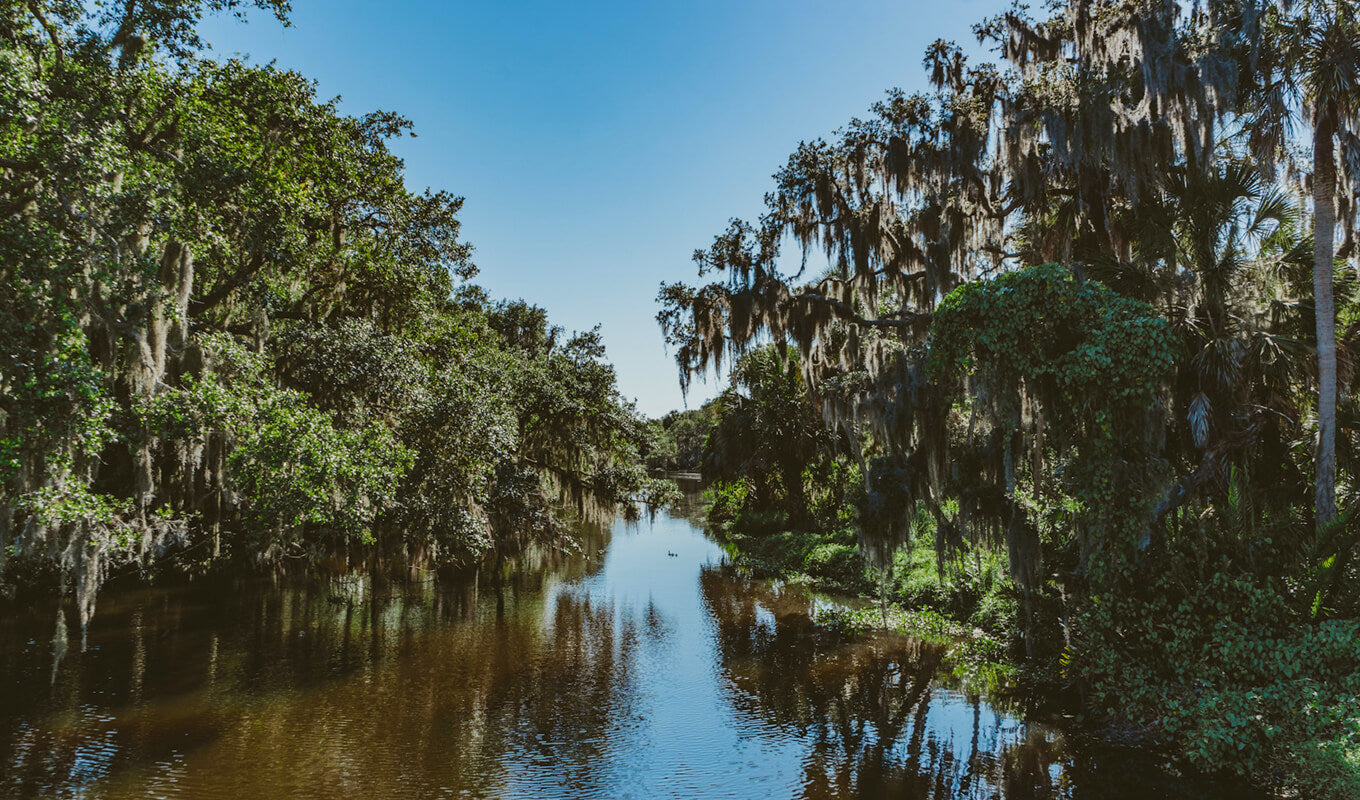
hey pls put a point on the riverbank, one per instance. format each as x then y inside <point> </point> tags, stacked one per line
<point>970,608</point>
<point>645,665</point>
<point>975,649</point>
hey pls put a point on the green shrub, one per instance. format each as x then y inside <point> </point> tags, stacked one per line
<point>917,582</point>
<point>726,500</point>
<point>840,565</point>
<point>1231,678</point>
<point>997,612</point>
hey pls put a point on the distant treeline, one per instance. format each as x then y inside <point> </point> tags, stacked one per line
<point>676,441</point>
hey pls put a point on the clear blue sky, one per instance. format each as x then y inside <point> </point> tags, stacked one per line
<point>599,143</point>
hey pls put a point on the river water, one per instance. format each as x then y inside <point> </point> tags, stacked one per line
<point>643,666</point>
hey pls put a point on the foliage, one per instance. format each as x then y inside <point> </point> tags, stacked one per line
<point>678,439</point>
<point>1073,314</point>
<point>293,468</point>
<point>1092,362</point>
<point>766,430</point>
<point>1093,350</point>
<point>974,589</point>
<point>1262,691</point>
<point>977,659</point>
<point>229,331</point>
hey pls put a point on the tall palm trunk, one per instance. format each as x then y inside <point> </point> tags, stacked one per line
<point>1324,232</point>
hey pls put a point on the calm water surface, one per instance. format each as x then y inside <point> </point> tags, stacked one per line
<point>643,667</point>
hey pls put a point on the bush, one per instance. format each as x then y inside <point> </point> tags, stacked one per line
<point>917,582</point>
<point>727,500</point>
<point>839,565</point>
<point>974,587</point>
<point>1231,678</point>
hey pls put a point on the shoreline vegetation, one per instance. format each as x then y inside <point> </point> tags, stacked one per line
<point>969,613</point>
<point>1064,349</point>
<point>977,655</point>
<point>231,338</point>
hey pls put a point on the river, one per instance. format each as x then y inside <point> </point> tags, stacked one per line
<point>643,666</point>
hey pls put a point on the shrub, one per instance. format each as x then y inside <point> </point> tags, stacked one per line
<point>1230,677</point>
<point>838,564</point>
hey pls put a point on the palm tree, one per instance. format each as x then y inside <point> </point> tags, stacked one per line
<point>1314,52</point>
<point>1326,35</point>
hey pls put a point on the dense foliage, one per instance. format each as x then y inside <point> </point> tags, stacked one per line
<point>1090,315</point>
<point>676,441</point>
<point>228,331</point>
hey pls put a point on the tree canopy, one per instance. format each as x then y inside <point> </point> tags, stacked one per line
<point>1092,306</point>
<point>230,332</point>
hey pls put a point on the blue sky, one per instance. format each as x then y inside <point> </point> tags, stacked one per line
<point>599,143</point>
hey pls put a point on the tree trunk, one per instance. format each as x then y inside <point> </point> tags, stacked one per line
<point>795,494</point>
<point>1324,234</point>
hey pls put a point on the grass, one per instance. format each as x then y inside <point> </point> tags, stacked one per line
<point>966,608</point>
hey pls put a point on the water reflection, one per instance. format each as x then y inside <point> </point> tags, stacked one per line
<point>878,722</point>
<point>322,691</point>
<point>641,666</point>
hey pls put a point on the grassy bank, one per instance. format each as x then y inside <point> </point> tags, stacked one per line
<point>968,608</point>
<point>1223,678</point>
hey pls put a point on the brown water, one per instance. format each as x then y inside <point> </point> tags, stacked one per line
<point>620,672</point>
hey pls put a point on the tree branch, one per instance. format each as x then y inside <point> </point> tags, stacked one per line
<point>50,29</point>
<point>1210,466</point>
<point>907,321</point>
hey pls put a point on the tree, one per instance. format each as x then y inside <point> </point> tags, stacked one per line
<point>1064,160</point>
<point>767,431</point>
<point>1317,50</point>
<point>230,332</point>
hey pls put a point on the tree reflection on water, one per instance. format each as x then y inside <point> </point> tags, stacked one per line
<point>637,666</point>
<point>879,721</point>
<point>324,691</point>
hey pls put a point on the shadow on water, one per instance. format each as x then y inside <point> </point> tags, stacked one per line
<point>641,666</point>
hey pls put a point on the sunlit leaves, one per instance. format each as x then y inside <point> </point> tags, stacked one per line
<point>226,314</point>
